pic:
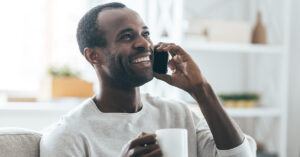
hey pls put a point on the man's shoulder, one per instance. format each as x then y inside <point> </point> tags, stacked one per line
<point>71,123</point>
<point>61,139</point>
<point>58,136</point>
<point>80,113</point>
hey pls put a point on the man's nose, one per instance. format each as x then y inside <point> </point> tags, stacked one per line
<point>142,43</point>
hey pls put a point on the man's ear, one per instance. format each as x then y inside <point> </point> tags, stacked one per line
<point>94,55</point>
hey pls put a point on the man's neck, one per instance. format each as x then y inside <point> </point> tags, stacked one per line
<point>111,99</point>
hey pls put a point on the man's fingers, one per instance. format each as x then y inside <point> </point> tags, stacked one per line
<point>164,77</point>
<point>155,153</point>
<point>140,150</point>
<point>179,63</point>
<point>177,59</point>
<point>164,47</point>
<point>177,50</point>
<point>161,45</point>
<point>142,140</point>
<point>172,48</point>
<point>158,44</point>
<point>172,65</point>
<point>142,134</point>
<point>167,49</point>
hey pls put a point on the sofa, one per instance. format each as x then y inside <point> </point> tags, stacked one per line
<point>18,142</point>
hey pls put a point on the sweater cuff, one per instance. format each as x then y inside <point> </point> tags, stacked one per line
<point>243,150</point>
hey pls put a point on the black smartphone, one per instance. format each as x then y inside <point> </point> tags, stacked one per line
<point>160,64</point>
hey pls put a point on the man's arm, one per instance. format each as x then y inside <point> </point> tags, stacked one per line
<point>225,132</point>
<point>187,76</point>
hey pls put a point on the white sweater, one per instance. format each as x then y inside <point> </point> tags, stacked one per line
<point>87,132</point>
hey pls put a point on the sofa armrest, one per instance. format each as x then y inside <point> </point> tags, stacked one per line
<point>18,142</point>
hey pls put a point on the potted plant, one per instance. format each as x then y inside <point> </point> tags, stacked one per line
<point>65,82</point>
<point>239,99</point>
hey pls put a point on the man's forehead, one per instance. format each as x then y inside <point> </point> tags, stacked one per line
<point>117,17</point>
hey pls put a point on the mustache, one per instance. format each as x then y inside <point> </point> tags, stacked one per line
<point>141,52</point>
<point>144,51</point>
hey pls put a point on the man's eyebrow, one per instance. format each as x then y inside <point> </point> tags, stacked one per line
<point>125,30</point>
<point>130,30</point>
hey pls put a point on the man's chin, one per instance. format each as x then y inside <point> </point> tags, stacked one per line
<point>142,81</point>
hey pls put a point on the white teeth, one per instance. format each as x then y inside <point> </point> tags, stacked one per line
<point>141,59</point>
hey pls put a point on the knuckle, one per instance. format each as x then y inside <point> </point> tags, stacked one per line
<point>134,151</point>
<point>142,134</point>
<point>131,144</point>
<point>152,138</point>
<point>161,43</point>
<point>176,46</point>
<point>131,153</point>
<point>155,146</point>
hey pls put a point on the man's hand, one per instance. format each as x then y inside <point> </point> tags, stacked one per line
<point>187,76</point>
<point>143,146</point>
<point>185,73</point>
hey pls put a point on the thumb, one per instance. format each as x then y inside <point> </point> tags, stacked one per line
<point>163,77</point>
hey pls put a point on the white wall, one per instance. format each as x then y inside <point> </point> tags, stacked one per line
<point>294,104</point>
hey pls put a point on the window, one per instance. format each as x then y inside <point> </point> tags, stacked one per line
<point>22,44</point>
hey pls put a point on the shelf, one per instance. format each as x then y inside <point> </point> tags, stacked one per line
<point>55,107</point>
<point>38,106</point>
<point>231,48</point>
<point>247,112</point>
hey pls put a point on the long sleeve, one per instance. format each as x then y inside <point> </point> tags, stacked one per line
<point>206,146</point>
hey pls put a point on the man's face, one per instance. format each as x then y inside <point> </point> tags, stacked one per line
<point>129,48</point>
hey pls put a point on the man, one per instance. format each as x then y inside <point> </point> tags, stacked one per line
<point>119,121</point>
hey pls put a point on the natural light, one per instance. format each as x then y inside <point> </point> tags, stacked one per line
<point>247,50</point>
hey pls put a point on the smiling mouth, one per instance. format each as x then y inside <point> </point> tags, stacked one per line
<point>141,59</point>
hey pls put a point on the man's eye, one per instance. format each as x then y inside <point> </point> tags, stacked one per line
<point>126,37</point>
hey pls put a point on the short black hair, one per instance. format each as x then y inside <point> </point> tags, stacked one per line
<point>89,34</point>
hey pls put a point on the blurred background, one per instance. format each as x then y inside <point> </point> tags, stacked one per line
<point>247,49</point>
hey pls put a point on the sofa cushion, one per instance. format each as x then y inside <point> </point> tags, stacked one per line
<point>18,142</point>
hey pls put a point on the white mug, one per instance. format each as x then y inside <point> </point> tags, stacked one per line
<point>173,142</point>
